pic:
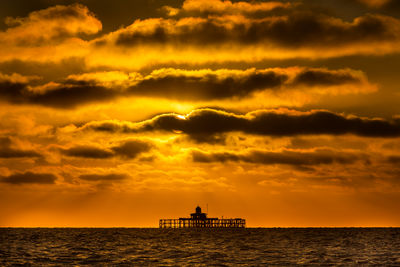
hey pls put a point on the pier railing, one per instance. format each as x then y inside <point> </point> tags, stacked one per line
<point>205,223</point>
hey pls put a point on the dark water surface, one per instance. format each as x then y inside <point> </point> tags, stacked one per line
<point>208,247</point>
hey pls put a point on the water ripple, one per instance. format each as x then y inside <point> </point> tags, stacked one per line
<point>201,247</point>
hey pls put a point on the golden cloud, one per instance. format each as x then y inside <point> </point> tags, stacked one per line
<point>238,38</point>
<point>207,7</point>
<point>48,35</point>
<point>280,122</point>
<point>203,85</point>
<point>50,25</point>
<point>55,33</point>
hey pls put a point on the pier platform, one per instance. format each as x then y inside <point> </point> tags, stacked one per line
<point>200,220</point>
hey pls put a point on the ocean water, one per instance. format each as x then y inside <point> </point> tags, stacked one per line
<point>199,247</point>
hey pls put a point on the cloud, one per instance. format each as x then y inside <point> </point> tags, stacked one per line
<point>87,152</point>
<point>67,94</point>
<point>208,7</point>
<point>219,84</point>
<point>192,85</point>
<point>29,178</point>
<point>128,149</point>
<point>53,24</point>
<point>284,157</point>
<point>49,35</point>
<point>132,148</point>
<point>342,142</point>
<point>207,84</point>
<point>240,38</point>
<point>7,151</point>
<point>391,7</point>
<point>15,153</point>
<point>104,177</point>
<point>70,94</point>
<point>208,122</point>
<point>318,77</point>
<point>12,87</point>
<point>299,30</point>
<point>230,31</point>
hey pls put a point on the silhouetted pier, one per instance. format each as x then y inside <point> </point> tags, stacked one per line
<point>200,220</point>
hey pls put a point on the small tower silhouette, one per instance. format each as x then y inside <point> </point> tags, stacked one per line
<point>198,215</point>
<point>198,209</point>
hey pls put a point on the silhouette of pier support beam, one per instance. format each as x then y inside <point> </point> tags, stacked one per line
<point>206,223</point>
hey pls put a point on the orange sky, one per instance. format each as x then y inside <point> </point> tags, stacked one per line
<point>116,114</point>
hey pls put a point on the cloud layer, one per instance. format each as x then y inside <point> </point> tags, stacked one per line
<point>294,158</point>
<point>238,31</point>
<point>103,177</point>
<point>7,151</point>
<point>50,25</point>
<point>128,149</point>
<point>193,85</point>
<point>206,122</point>
<point>298,31</point>
<point>218,7</point>
<point>29,178</point>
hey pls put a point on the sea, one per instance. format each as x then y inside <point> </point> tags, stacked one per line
<point>199,247</point>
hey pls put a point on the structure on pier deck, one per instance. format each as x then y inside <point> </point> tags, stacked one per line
<point>200,220</point>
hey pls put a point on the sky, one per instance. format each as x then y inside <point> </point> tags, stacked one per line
<point>120,113</point>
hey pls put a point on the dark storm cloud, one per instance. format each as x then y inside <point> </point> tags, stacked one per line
<point>207,122</point>
<point>7,151</point>
<point>300,29</point>
<point>178,84</point>
<point>103,177</point>
<point>29,178</point>
<point>87,152</point>
<point>285,157</point>
<point>129,149</point>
